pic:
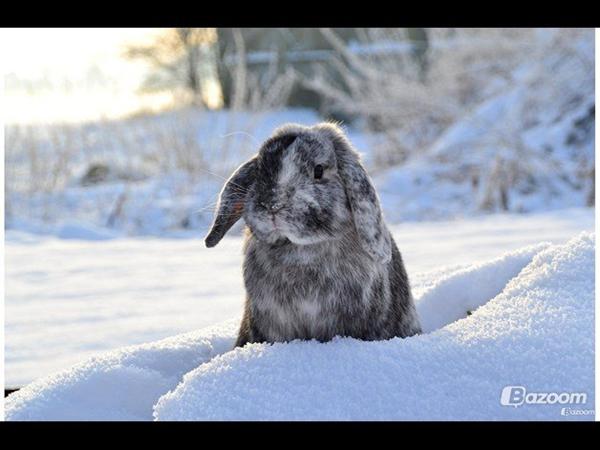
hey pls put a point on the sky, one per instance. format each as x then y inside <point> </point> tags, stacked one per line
<point>73,75</point>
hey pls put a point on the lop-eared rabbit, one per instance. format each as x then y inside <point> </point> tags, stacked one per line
<point>319,259</point>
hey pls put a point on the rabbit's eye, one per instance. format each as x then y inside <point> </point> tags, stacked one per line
<point>318,172</point>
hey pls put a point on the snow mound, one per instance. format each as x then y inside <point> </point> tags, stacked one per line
<point>120,385</point>
<point>537,333</point>
<point>470,287</point>
<point>531,325</point>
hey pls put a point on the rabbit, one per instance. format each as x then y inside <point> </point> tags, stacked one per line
<point>319,260</point>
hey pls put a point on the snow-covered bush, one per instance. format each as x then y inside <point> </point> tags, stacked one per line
<point>536,137</point>
<point>163,172</point>
<point>387,91</point>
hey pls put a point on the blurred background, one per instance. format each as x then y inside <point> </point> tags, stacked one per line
<point>117,142</point>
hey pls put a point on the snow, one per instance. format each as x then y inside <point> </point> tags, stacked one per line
<point>532,327</point>
<point>67,300</point>
<point>485,281</point>
<point>83,231</point>
<point>119,385</point>
<point>94,267</point>
<point>439,183</point>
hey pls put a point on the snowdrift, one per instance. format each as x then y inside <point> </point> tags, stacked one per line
<point>531,324</point>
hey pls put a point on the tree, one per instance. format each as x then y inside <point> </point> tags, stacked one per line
<point>419,46</point>
<point>266,55</point>
<point>181,59</point>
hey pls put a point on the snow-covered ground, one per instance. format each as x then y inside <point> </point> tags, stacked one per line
<point>68,299</point>
<point>531,326</point>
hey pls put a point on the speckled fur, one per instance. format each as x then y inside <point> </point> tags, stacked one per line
<point>319,259</point>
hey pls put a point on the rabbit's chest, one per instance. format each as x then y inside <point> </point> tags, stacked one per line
<point>301,314</point>
<point>307,301</point>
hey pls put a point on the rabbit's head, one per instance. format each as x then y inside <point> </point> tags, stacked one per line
<point>305,185</point>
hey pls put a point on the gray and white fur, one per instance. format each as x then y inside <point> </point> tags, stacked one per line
<point>319,259</point>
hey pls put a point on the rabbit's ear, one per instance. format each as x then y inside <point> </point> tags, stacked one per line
<point>231,202</point>
<point>373,233</point>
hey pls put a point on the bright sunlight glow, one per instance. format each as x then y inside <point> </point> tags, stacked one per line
<point>72,75</point>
